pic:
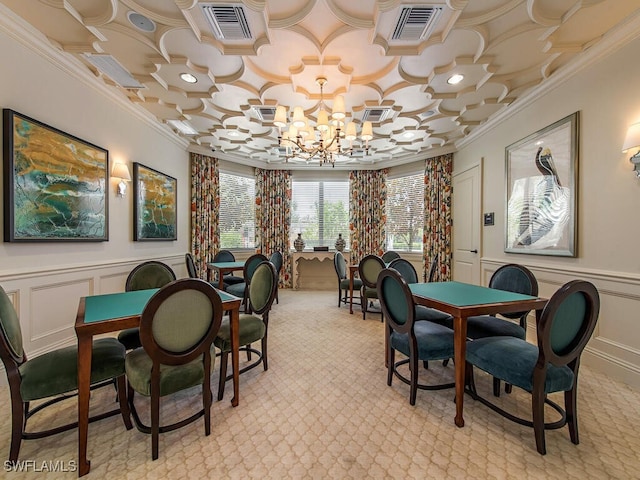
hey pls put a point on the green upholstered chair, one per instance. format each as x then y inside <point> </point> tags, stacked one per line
<point>192,271</point>
<point>564,328</point>
<point>253,327</point>
<point>151,274</point>
<point>368,269</point>
<point>177,328</point>
<point>277,260</point>
<point>340,265</point>
<point>241,289</point>
<point>52,376</point>
<point>389,256</point>
<point>228,278</point>
<point>409,274</point>
<point>416,340</point>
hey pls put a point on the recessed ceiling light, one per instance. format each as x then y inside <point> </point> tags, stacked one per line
<point>233,133</point>
<point>141,22</point>
<point>408,134</point>
<point>187,77</point>
<point>455,79</point>
<point>183,126</point>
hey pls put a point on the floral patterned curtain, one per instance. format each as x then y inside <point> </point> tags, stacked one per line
<point>367,217</point>
<point>437,215</point>
<point>205,202</point>
<point>273,217</point>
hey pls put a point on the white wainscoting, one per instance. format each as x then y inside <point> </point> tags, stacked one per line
<point>614,347</point>
<point>47,301</point>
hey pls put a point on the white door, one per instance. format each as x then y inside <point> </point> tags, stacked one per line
<point>466,211</point>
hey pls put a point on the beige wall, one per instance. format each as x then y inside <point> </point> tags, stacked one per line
<point>607,95</point>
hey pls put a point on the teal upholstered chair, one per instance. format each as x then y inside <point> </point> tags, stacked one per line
<point>340,265</point>
<point>177,328</point>
<point>368,269</point>
<point>564,328</point>
<point>277,260</point>
<point>389,256</point>
<point>253,327</point>
<point>53,376</point>
<point>151,274</point>
<point>192,271</point>
<point>241,289</point>
<point>409,274</point>
<point>416,340</point>
<point>228,278</point>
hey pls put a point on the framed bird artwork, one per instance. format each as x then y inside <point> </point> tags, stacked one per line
<point>541,191</point>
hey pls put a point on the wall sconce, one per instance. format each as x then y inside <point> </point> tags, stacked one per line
<point>632,140</point>
<point>121,172</point>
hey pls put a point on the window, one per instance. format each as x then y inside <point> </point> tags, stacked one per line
<point>237,211</point>
<point>405,213</point>
<point>320,211</point>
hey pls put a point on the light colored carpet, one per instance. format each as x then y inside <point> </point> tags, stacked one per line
<point>323,410</point>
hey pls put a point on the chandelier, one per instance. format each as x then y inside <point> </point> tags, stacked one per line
<point>324,142</point>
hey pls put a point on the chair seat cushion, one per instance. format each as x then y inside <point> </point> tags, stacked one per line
<point>173,378</point>
<point>435,342</point>
<point>487,326</point>
<point>357,284</point>
<point>433,315</point>
<point>232,279</point>
<point>370,292</point>
<point>56,372</point>
<point>252,329</point>
<point>513,360</point>
<point>237,289</point>
<point>130,338</point>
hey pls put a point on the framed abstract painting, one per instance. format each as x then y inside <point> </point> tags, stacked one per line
<point>55,184</point>
<point>154,205</point>
<point>541,191</point>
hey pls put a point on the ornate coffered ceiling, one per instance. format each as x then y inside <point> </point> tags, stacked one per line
<point>504,49</point>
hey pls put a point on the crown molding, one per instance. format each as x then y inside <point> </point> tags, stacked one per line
<point>23,33</point>
<point>627,32</point>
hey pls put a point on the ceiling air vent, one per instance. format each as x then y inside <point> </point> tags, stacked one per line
<point>416,23</point>
<point>228,22</point>
<point>376,114</point>
<point>110,67</point>
<point>265,114</point>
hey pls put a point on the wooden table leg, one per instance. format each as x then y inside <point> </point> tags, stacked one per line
<point>460,348</point>
<point>234,328</point>
<point>220,281</point>
<point>84,381</point>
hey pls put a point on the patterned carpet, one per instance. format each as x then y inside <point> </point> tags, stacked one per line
<point>323,410</point>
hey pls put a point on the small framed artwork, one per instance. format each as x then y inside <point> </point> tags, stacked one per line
<point>154,205</point>
<point>541,191</point>
<point>55,184</point>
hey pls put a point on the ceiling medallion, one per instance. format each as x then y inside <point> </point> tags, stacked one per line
<point>324,142</point>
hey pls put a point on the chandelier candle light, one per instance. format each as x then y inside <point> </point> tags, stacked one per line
<point>323,143</point>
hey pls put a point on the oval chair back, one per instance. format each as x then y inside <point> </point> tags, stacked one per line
<point>151,274</point>
<point>277,260</point>
<point>262,288</point>
<point>224,256</point>
<point>192,271</point>
<point>389,256</point>
<point>340,265</point>
<point>406,270</point>
<point>369,268</point>
<point>517,279</point>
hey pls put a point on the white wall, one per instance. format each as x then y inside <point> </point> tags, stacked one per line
<point>607,95</point>
<point>46,280</point>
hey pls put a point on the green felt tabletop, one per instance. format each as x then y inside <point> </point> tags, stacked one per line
<point>237,265</point>
<point>125,304</point>
<point>464,294</point>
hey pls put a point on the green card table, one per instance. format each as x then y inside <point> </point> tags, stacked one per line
<point>98,314</point>
<point>222,268</point>
<point>464,300</point>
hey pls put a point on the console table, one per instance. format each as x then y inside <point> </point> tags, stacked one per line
<point>308,255</point>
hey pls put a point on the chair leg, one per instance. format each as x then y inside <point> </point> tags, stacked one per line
<point>155,421</point>
<point>496,387</point>
<point>537,408</point>
<point>265,363</point>
<point>224,357</point>
<point>391,364</point>
<point>122,400</point>
<point>206,396</point>
<point>363,306</point>
<point>413,362</point>
<point>570,407</point>
<point>18,422</point>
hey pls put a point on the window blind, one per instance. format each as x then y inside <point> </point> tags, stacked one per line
<point>405,213</point>
<point>237,211</point>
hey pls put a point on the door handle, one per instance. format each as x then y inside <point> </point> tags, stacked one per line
<point>473,251</point>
